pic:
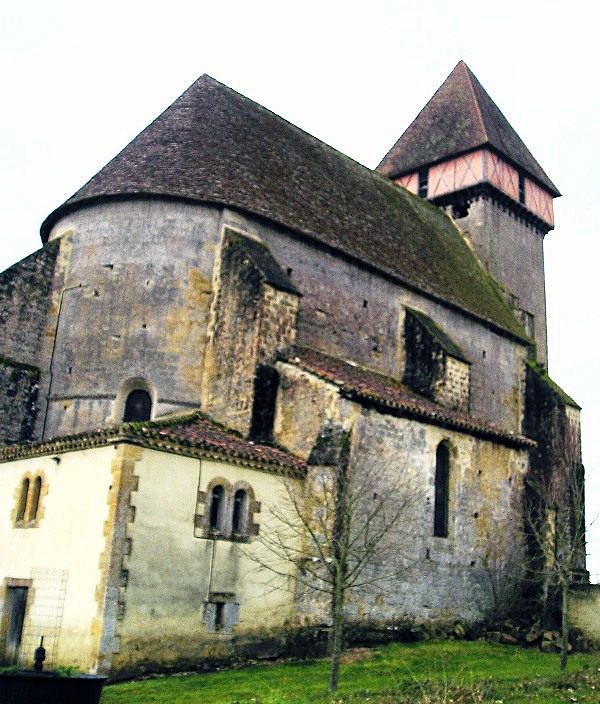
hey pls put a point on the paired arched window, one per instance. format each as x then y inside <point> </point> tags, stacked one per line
<point>240,505</point>
<point>22,506</point>
<point>215,516</point>
<point>34,506</point>
<point>442,491</point>
<point>228,511</point>
<point>28,505</point>
<point>138,406</point>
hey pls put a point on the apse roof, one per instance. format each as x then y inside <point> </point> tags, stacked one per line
<point>214,145</point>
<point>459,117</point>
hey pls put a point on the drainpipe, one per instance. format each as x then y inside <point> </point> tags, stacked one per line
<point>210,569</point>
<point>50,375</point>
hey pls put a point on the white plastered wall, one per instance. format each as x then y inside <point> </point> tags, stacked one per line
<point>172,572</point>
<point>60,553</point>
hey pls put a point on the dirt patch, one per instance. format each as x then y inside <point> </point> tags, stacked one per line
<point>354,654</point>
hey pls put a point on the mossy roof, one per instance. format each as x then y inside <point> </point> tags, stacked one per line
<point>543,376</point>
<point>214,145</point>
<point>460,117</point>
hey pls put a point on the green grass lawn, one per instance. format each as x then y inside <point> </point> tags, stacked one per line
<point>421,673</point>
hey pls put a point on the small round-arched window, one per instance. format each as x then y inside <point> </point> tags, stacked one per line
<point>238,519</point>
<point>216,507</point>
<point>138,406</point>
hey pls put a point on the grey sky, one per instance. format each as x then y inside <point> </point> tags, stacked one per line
<point>80,80</point>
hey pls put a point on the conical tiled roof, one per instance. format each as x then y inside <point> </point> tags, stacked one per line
<point>213,145</point>
<point>459,117</point>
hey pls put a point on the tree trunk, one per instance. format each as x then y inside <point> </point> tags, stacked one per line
<point>341,527</point>
<point>564,640</point>
<point>337,635</point>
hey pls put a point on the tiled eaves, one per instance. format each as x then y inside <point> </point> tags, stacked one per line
<point>443,418</point>
<point>356,384</point>
<point>156,436</point>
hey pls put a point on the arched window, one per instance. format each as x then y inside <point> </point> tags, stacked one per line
<point>216,507</point>
<point>35,498</point>
<point>138,406</point>
<point>240,503</point>
<point>22,506</point>
<point>442,484</point>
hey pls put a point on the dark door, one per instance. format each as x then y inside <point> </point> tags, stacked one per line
<point>16,602</point>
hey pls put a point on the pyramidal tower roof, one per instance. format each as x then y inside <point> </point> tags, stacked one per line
<point>215,146</point>
<point>460,117</point>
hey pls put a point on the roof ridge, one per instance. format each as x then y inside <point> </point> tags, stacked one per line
<point>470,77</point>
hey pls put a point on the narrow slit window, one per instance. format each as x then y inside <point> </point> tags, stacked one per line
<point>521,188</point>
<point>216,507</point>
<point>442,485</point>
<point>240,502</point>
<point>266,384</point>
<point>219,615</point>
<point>35,499</point>
<point>22,506</point>
<point>423,182</point>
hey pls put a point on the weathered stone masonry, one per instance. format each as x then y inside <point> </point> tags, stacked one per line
<point>260,279</point>
<point>24,309</point>
<point>254,315</point>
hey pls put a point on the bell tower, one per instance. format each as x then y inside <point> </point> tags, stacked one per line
<point>462,154</point>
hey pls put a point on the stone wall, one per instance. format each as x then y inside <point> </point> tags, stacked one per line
<point>476,569</point>
<point>24,304</point>
<point>25,310</point>
<point>513,252</point>
<point>432,368</point>
<point>19,387</point>
<point>135,304</point>
<point>278,318</point>
<point>305,404</point>
<point>353,313</point>
<point>251,320</point>
<point>453,389</point>
<point>554,491</point>
<point>470,573</point>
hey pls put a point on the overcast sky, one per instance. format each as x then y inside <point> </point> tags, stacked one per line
<point>80,80</point>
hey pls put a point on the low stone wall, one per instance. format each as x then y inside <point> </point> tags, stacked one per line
<point>584,611</point>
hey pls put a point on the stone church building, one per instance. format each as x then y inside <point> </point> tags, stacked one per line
<point>205,310</point>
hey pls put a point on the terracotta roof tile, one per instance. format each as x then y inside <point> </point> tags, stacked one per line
<point>199,431</point>
<point>193,431</point>
<point>365,385</point>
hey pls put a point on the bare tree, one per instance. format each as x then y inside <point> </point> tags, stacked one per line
<point>555,522</point>
<point>503,557</point>
<point>345,530</point>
